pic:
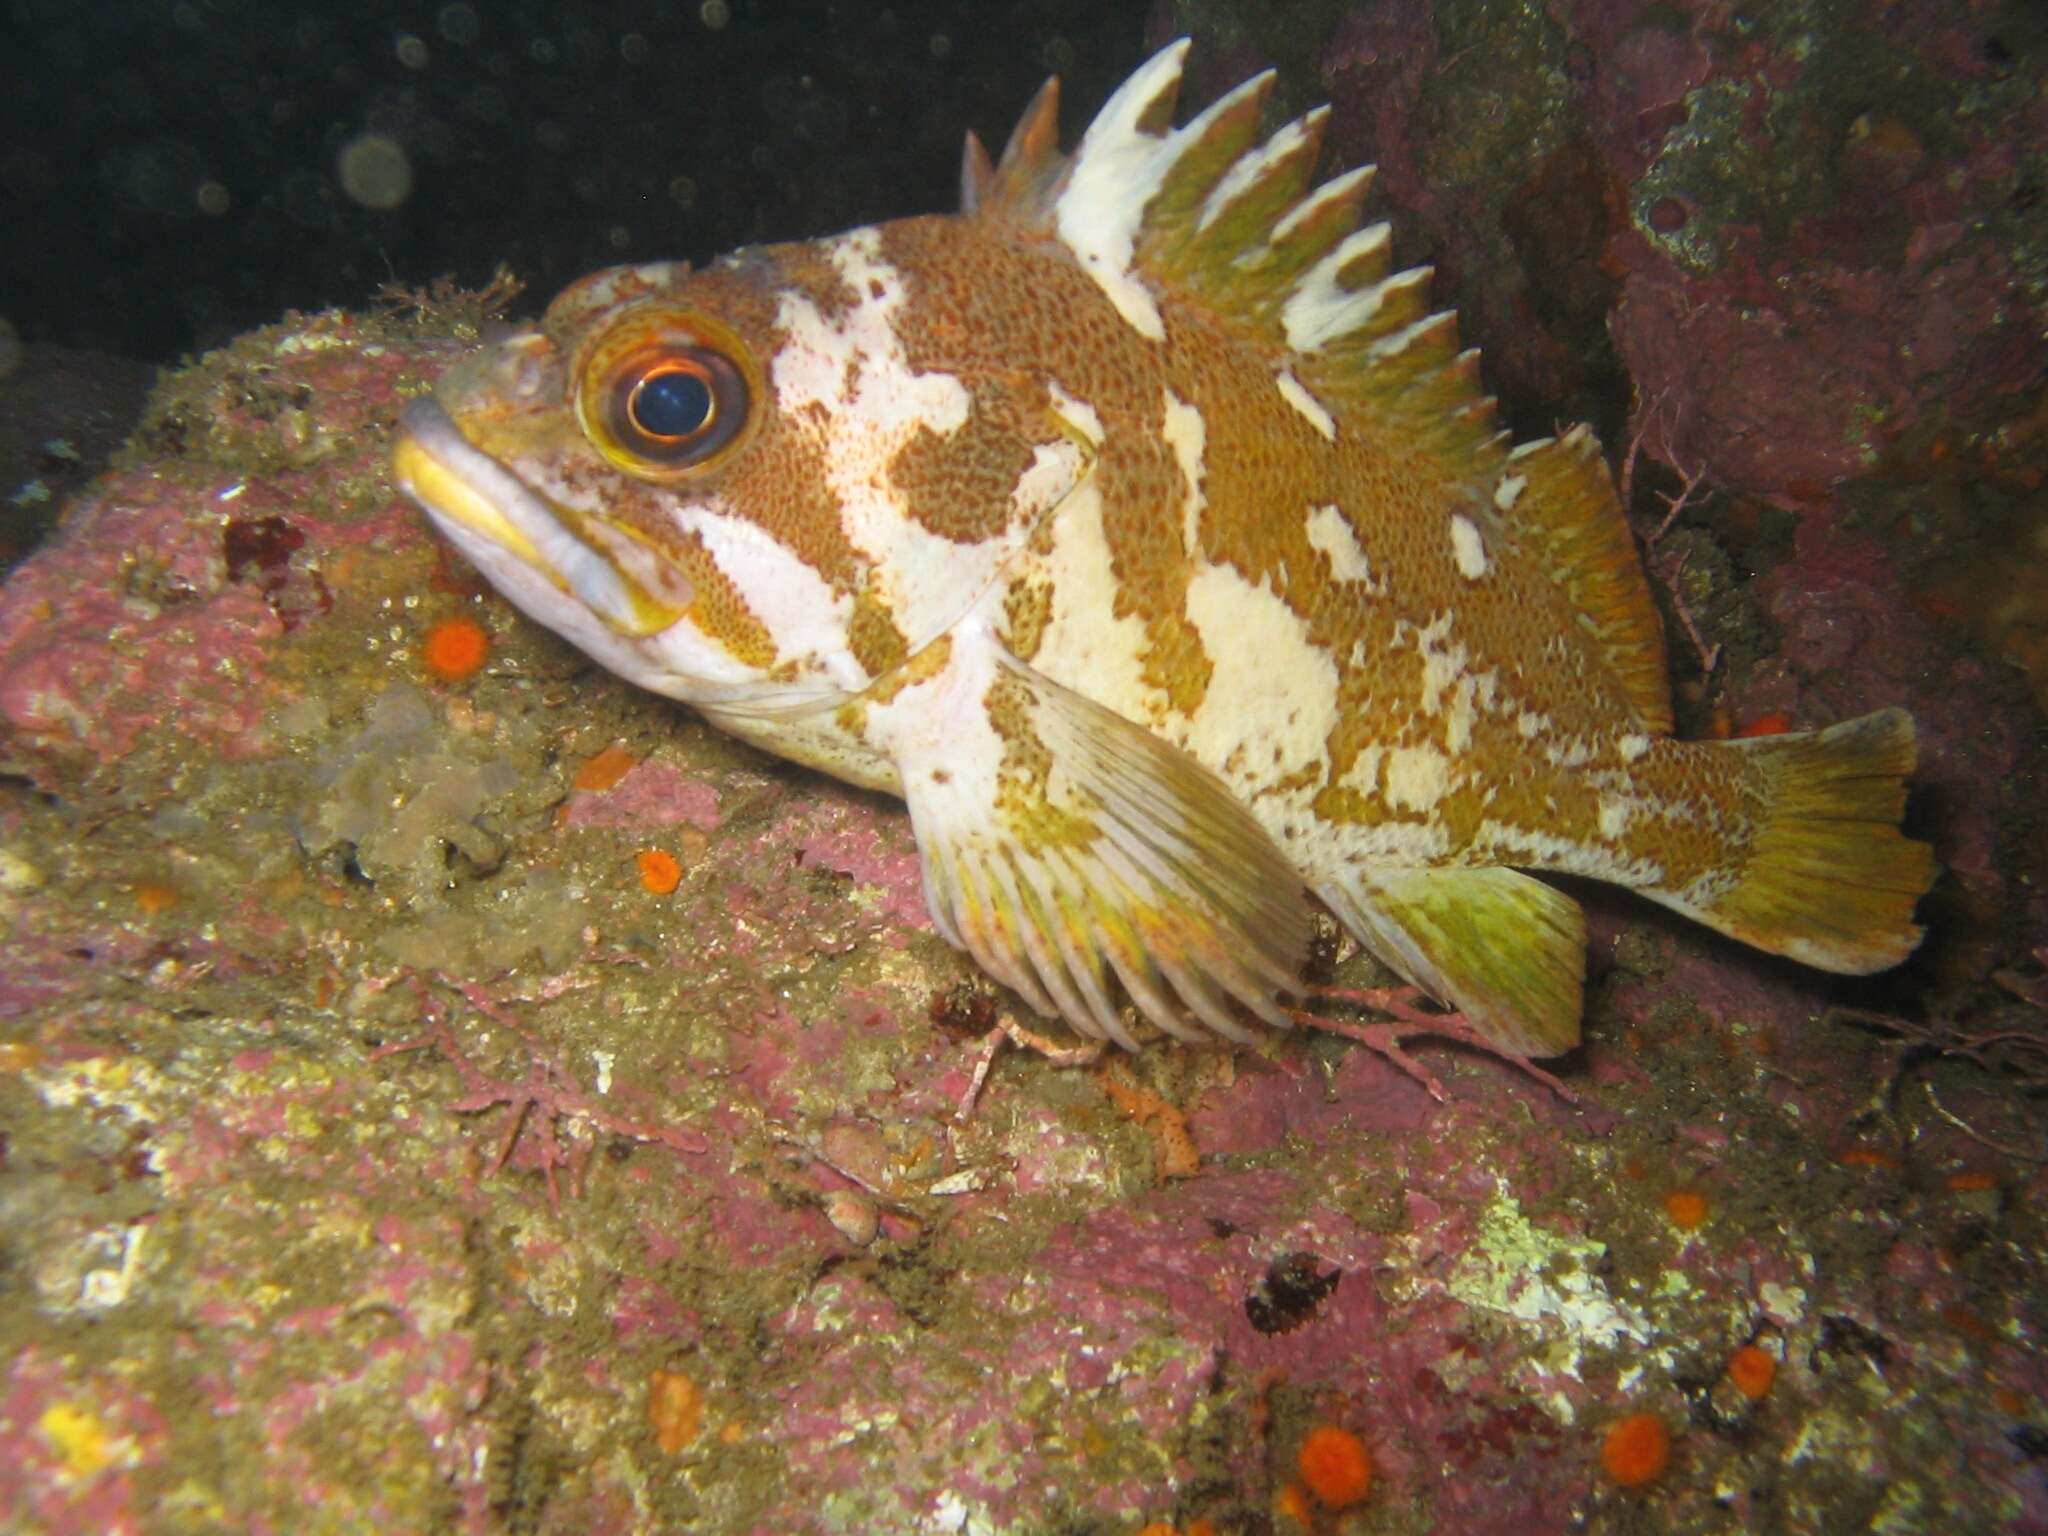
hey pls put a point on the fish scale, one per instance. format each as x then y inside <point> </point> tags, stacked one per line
<point>1155,541</point>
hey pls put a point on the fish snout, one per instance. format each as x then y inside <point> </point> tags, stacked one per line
<point>516,371</point>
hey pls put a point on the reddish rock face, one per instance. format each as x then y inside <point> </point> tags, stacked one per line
<point>374,1137</point>
<point>1805,238</point>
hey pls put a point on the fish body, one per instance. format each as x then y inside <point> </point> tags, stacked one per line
<point>1152,537</point>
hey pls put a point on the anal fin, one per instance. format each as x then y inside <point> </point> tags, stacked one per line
<point>1073,853</point>
<point>1504,949</point>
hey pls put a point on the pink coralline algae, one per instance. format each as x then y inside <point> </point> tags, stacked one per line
<point>881,856</point>
<point>374,1176</point>
<point>171,592</point>
<point>1784,374</point>
<point>651,794</point>
<point>178,628</point>
<point>1802,237</point>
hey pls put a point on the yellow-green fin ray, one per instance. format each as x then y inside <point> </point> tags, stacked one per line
<point>1558,499</point>
<point>1504,949</point>
<point>1077,856</point>
<point>1232,223</point>
<point>1828,879</point>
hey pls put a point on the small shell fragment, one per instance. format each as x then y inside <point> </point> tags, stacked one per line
<point>854,1214</point>
<point>965,1182</point>
<point>18,874</point>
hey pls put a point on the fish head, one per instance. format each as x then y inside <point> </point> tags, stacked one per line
<point>752,487</point>
<point>580,463</point>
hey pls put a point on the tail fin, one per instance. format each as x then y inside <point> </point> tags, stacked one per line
<point>1828,879</point>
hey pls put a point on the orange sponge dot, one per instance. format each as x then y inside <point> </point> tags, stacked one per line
<point>1752,1371</point>
<point>1774,723</point>
<point>659,871</point>
<point>1291,1503</point>
<point>456,649</point>
<point>1636,1450</point>
<point>153,896</point>
<point>675,1409</point>
<point>1334,1464</point>
<point>1687,1208</point>
<point>601,771</point>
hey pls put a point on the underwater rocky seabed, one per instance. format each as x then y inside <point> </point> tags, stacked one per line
<point>383,1151</point>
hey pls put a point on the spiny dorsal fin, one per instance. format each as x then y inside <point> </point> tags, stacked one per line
<point>1558,497</point>
<point>1200,153</point>
<point>1244,206</point>
<point>1205,212</point>
<point>1031,161</point>
<point>1208,212</point>
<point>977,172</point>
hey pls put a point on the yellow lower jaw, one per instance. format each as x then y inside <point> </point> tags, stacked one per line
<point>648,617</point>
<point>580,569</point>
<point>429,482</point>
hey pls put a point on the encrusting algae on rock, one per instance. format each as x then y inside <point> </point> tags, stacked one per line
<point>466,1136</point>
<point>1154,540</point>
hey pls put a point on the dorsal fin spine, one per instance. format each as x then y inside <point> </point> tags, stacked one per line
<point>1323,219</point>
<point>1350,187</point>
<point>1229,255</point>
<point>1386,307</point>
<point>1098,205</point>
<point>1204,151</point>
<point>977,174</point>
<point>1335,294</point>
<point>1275,161</point>
<point>1429,327</point>
<point>1029,158</point>
<point>1198,210</point>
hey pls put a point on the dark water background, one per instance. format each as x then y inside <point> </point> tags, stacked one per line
<point>176,171</point>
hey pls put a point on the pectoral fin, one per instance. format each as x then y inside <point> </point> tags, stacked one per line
<point>1503,948</point>
<point>1073,854</point>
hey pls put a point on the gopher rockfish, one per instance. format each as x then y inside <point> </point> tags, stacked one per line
<point>1154,540</point>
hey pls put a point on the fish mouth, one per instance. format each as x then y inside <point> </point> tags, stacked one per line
<point>493,517</point>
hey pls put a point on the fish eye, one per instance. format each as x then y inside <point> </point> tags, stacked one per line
<point>673,402</point>
<point>665,394</point>
<point>679,407</point>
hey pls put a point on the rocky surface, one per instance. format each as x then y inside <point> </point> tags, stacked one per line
<point>385,1148</point>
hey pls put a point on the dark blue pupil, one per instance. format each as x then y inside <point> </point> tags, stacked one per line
<point>672,404</point>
